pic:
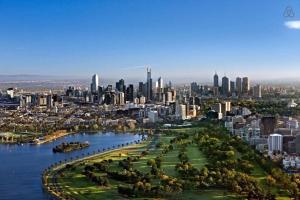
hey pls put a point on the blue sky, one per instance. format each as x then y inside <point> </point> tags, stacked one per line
<point>177,38</point>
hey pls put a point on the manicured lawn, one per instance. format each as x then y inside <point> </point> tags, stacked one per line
<point>196,157</point>
<point>73,182</point>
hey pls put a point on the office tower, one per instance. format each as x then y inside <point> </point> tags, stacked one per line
<point>232,87</point>
<point>141,89</point>
<point>160,85</point>
<point>245,86</point>
<point>149,85</point>
<point>121,98</point>
<point>238,84</point>
<point>142,100</point>
<point>129,93</point>
<point>257,91</point>
<point>120,85</point>
<point>169,97</point>
<point>95,84</point>
<point>225,107</point>
<point>42,100</point>
<point>268,125</point>
<point>225,86</point>
<point>153,116</point>
<point>216,80</point>
<point>181,111</point>
<point>159,89</point>
<point>113,99</point>
<point>275,142</point>
<point>49,101</point>
<point>194,88</point>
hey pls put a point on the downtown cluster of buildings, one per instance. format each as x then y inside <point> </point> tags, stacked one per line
<point>238,88</point>
<point>120,94</point>
<point>148,102</point>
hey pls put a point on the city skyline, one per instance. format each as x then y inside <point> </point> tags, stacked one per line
<point>175,38</point>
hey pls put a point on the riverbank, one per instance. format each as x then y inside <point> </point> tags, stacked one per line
<point>50,176</point>
<point>52,136</point>
<point>39,138</point>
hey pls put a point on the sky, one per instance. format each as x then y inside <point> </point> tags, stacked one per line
<point>179,39</point>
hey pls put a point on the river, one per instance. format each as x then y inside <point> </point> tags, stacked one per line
<point>21,165</point>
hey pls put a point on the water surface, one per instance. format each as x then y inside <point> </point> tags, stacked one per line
<point>21,166</point>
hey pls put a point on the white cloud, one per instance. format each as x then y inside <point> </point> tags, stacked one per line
<point>293,24</point>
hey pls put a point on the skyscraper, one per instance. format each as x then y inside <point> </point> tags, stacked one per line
<point>141,89</point>
<point>129,93</point>
<point>149,85</point>
<point>95,84</point>
<point>120,85</point>
<point>232,87</point>
<point>238,84</point>
<point>160,85</point>
<point>159,89</point>
<point>245,85</point>
<point>275,142</point>
<point>216,80</point>
<point>225,86</point>
<point>257,91</point>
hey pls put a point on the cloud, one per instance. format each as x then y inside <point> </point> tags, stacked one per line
<point>293,24</point>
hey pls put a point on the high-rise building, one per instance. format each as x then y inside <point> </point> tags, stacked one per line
<point>141,89</point>
<point>149,85</point>
<point>121,98</point>
<point>129,93</point>
<point>216,80</point>
<point>181,111</point>
<point>120,85</point>
<point>245,85</point>
<point>225,107</point>
<point>268,125</point>
<point>238,85</point>
<point>232,87</point>
<point>257,91</point>
<point>153,116</point>
<point>159,89</point>
<point>225,86</point>
<point>95,84</point>
<point>160,85</point>
<point>275,142</point>
<point>194,88</point>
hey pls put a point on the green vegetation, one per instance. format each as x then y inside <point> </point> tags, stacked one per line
<point>202,162</point>
<point>270,107</point>
<point>71,146</point>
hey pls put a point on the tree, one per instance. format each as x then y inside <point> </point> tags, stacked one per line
<point>270,180</point>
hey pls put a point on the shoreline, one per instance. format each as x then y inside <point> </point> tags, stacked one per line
<point>49,175</point>
<point>62,133</point>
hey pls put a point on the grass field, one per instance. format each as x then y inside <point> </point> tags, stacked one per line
<point>74,183</point>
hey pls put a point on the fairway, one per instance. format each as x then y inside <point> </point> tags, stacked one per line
<point>170,157</point>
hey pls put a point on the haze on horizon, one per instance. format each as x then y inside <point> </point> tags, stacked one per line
<point>180,40</point>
